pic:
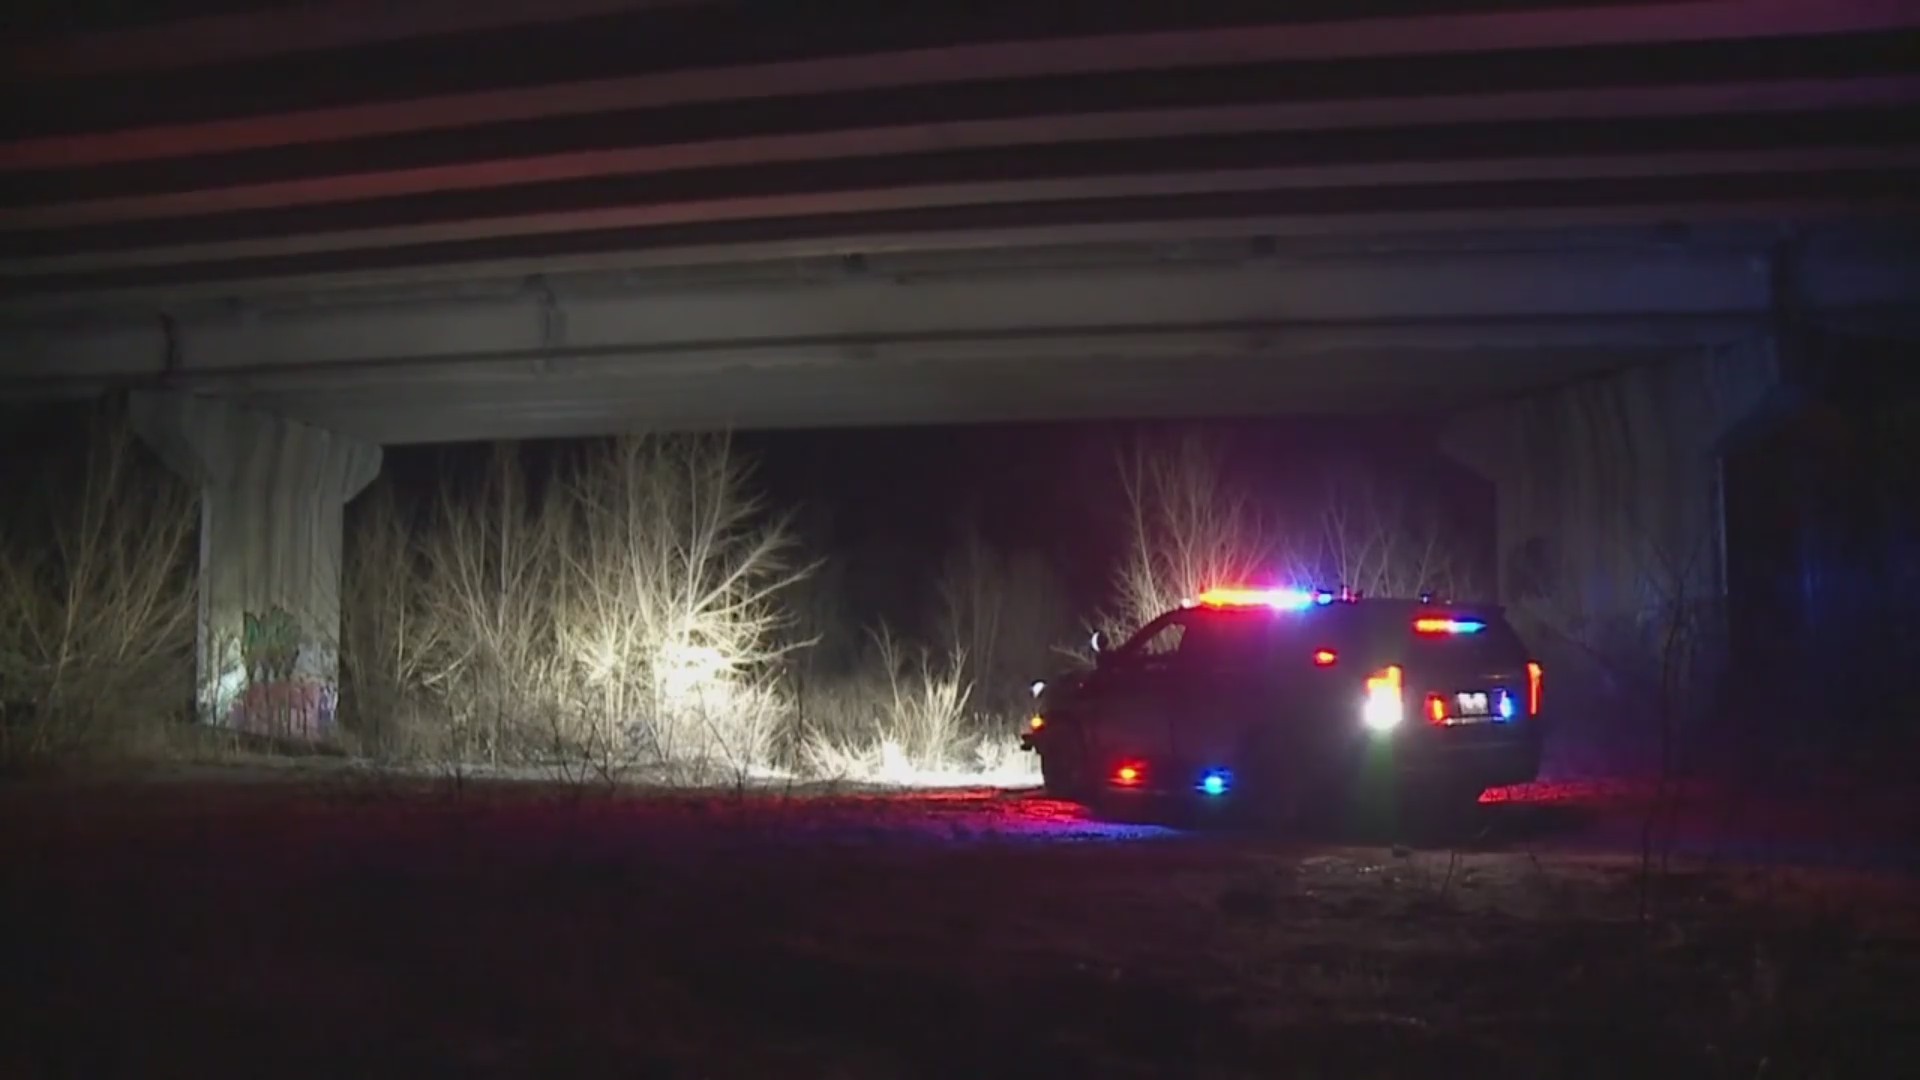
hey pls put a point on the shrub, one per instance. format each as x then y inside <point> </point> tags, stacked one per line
<point>1004,617</point>
<point>618,613</point>
<point>1380,540</point>
<point>96,600</point>
<point>903,719</point>
<point>1188,526</point>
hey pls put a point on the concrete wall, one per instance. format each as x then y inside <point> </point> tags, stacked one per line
<point>273,493</point>
<point>1610,536</point>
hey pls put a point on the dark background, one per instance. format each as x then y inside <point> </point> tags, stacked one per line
<point>892,502</point>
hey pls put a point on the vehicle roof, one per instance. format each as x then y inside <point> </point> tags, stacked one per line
<point>1386,625</point>
<point>1363,610</point>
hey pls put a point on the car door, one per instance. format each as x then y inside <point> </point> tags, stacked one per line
<point>1216,687</point>
<point>1125,715</point>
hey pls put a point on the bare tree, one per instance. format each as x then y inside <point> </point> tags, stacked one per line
<point>623,612</point>
<point>382,647</point>
<point>1378,540</point>
<point>1005,615</point>
<point>97,604</point>
<point>672,621</point>
<point>491,584</point>
<point>1188,526</point>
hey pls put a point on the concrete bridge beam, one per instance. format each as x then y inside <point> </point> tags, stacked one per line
<point>272,496</point>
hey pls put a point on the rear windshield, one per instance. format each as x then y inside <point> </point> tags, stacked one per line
<point>1229,639</point>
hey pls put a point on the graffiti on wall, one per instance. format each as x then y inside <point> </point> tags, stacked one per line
<point>285,690</point>
<point>269,644</point>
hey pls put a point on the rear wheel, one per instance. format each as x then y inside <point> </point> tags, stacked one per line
<point>1063,775</point>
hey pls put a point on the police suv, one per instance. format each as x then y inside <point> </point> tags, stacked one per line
<point>1283,699</point>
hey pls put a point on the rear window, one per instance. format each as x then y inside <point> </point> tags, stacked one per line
<point>1217,639</point>
<point>1255,637</point>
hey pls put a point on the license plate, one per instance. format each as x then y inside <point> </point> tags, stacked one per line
<point>1471,706</point>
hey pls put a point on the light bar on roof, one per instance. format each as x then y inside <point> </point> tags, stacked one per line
<point>1279,599</point>
<point>1431,625</point>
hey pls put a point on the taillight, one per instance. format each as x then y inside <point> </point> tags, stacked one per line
<point>1130,775</point>
<point>1436,709</point>
<point>1535,675</point>
<point>1036,722</point>
<point>1383,709</point>
<point>1325,657</point>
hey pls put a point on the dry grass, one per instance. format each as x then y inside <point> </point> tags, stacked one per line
<point>910,722</point>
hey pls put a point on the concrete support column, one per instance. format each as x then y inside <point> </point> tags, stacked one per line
<point>1609,525</point>
<point>1608,486</point>
<point>272,496</point>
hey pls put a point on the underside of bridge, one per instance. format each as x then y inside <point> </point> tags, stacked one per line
<point>1589,240</point>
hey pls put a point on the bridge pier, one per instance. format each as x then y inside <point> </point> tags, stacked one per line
<point>273,492</point>
<point>1611,538</point>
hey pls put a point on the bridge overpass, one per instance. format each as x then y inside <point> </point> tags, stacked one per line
<point>1589,241</point>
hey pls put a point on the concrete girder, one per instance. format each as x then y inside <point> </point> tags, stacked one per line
<point>914,337</point>
<point>989,249</point>
<point>607,313</point>
<point>880,391</point>
<point>272,492</point>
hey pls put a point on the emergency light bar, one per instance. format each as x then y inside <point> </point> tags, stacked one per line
<point>1278,599</point>
<point>1448,626</point>
<point>1281,599</point>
